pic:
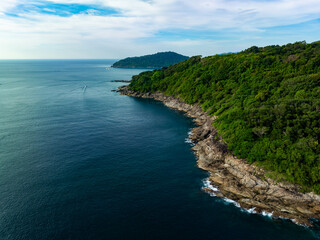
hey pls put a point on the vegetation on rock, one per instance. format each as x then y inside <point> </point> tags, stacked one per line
<point>267,101</point>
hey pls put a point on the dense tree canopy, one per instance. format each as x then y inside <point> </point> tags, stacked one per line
<point>267,101</point>
<point>157,60</point>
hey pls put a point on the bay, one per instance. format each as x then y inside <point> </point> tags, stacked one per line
<point>78,161</point>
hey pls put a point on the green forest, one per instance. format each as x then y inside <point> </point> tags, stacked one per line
<point>267,100</point>
<point>158,60</point>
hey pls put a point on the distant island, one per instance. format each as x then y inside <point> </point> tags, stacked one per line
<point>158,60</point>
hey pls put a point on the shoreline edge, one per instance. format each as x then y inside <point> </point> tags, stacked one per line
<point>235,179</point>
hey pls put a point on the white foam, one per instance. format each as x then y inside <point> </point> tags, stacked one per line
<point>207,185</point>
<point>295,222</point>
<point>227,200</point>
<point>267,214</point>
<point>188,140</point>
<point>251,210</point>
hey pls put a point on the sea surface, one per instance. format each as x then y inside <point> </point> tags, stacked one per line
<point>78,161</point>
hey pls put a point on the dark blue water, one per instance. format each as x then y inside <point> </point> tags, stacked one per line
<point>82,162</point>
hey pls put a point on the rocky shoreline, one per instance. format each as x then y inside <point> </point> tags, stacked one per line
<point>235,179</point>
<point>122,81</point>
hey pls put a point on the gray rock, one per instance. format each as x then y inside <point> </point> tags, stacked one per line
<point>236,179</point>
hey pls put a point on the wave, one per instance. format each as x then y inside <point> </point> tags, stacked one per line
<point>214,189</point>
<point>187,139</point>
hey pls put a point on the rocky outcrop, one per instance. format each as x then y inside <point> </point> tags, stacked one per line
<point>234,178</point>
<point>122,81</point>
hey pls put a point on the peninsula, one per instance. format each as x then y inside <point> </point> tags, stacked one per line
<point>158,60</point>
<point>258,113</point>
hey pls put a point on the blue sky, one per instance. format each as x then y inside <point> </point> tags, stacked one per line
<point>120,28</point>
<point>58,9</point>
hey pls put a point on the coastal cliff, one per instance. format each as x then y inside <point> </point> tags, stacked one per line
<point>233,178</point>
<point>267,101</point>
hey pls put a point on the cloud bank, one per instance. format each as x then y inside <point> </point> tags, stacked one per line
<point>119,28</point>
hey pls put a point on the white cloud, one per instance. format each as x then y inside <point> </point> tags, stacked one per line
<point>7,4</point>
<point>49,10</point>
<point>139,20</point>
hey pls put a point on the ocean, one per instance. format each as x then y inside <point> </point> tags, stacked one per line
<point>78,161</point>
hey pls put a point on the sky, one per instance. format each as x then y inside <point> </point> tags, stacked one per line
<point>113,29</point>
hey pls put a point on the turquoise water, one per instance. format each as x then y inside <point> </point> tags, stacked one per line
<point>78,161</point>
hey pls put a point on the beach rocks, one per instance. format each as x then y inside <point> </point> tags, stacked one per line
<point>247,184</point>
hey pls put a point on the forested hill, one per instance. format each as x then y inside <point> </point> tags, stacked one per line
<point>158,60</point>
<point>267,101</point>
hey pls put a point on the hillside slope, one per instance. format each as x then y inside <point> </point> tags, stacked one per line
<point>158,60</point>
<point>267,101</point>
